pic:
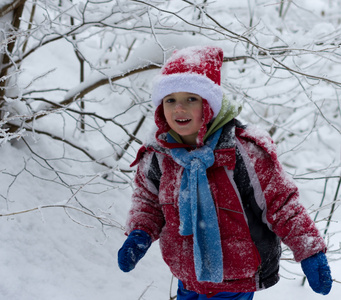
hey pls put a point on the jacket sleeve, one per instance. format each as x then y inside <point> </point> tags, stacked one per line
<point>277,195</point>
<point>146,213</point>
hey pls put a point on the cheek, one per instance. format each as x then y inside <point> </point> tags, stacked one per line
<point>198,115</point>
<point>167,114</point>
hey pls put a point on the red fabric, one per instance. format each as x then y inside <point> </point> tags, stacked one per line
<point>205,61</point>
<point>288,218</point>
<point>157,213</point>
<point>207,117</point>
<point>193,70</point>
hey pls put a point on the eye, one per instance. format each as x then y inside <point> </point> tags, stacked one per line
<point>192,99</point>
<point>168,100</point>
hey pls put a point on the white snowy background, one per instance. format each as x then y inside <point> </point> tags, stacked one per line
<point>63,215</point>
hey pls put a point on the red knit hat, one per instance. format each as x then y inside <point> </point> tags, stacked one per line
<point>194,70</point>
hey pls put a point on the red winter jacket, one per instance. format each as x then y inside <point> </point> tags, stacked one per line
<point>257,206</point>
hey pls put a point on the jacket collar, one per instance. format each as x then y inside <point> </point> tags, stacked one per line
<point>224,152</point>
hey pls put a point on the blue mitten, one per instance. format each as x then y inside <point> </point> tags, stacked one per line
<point>317,270</point>
<point>133,249</point>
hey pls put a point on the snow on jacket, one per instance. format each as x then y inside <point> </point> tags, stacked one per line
<point>256,203</point>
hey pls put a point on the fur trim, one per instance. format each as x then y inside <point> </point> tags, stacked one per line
<point>190,83</point>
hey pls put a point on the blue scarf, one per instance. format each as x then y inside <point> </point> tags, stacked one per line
<point>198,214</point>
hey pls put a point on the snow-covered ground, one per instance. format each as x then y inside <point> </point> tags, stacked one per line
<point>45,254</point>
<point>52,253</point>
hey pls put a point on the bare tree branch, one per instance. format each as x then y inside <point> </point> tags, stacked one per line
<point>73,145</point>
<point>104,220</point>
<point>4,10</point>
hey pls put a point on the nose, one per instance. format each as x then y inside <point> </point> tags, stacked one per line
<point>179,107</point>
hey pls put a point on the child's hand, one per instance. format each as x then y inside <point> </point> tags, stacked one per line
<point>317,270</point>
<point>133,249</point>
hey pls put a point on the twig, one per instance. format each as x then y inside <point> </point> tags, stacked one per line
<point>64,206</point>
<point>332,208</point>
<point>53,136</point>
<point>90,114</point>
<point>170,289</point>
<point>145,290</point>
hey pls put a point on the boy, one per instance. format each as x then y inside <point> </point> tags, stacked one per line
<point>214,193</point>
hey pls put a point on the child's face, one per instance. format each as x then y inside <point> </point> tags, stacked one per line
<point>183,113</point>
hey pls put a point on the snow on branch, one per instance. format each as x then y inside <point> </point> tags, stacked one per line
<point>5,134</point>
<point>9,5</point>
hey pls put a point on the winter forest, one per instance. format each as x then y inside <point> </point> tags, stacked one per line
<point>75,84</point>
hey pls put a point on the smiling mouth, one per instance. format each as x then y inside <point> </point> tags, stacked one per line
<point>183,121</point>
